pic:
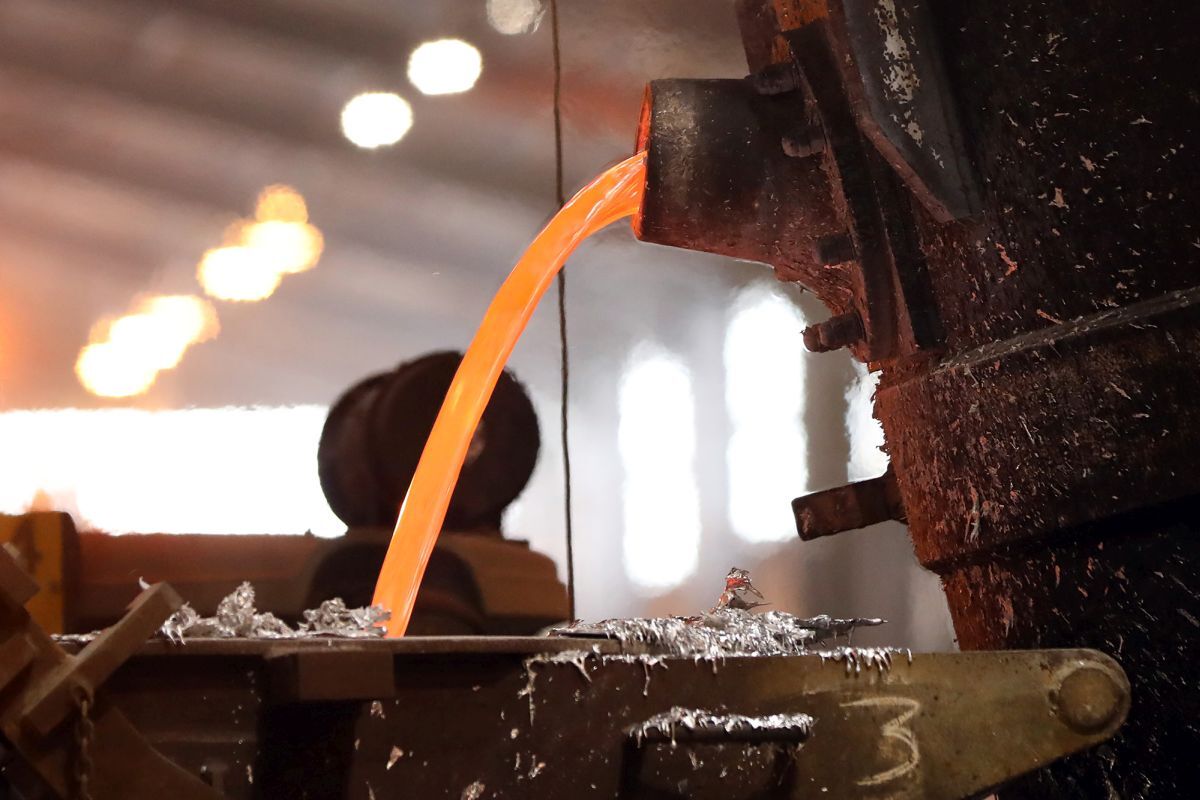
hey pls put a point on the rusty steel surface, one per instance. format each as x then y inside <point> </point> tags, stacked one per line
<point>719,181</point>
<point>850,507</point>
<point>1128,587</point>
<point>1047,461</point>
<point>903,101</point>
<point>687,706</point>
<point>537,717</point>
<point>1057,428</point>
<point>1037,334</point>
<point>875,248</point>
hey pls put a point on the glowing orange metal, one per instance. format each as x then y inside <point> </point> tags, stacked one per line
<point>615,194</point>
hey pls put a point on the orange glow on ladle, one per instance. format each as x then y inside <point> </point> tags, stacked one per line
<point>615,194</point>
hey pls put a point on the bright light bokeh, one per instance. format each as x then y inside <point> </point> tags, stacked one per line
<point>280,203</point>
<point>140,337</point>
<point>766,459</point>
<point>445,66</point>
<point>512,17</point>
<point>183,316</point>
<point>867,459</point>
<point>376,119</point>
<point>218,470</point>
<point>258,253</point>
<point>656,437</point>
<point>159,335</point>
<point>106,371</point>
<point>238,274</point>
<point>125,355</point>
<point>284,247</point>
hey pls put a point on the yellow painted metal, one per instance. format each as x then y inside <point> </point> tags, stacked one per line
<point>39,541</point>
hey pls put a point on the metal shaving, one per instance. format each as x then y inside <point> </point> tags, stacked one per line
<point>237,617</point>
<point>858,658</point>
<point>578,659</point>
<point>333,618</point>
<point>648,663</point>
<point>474,791</point>
<point>74,638</point>
<point>721,633</point>
<point>728,630</point>
<point>669,723</point>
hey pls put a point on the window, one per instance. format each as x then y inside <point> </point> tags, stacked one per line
<point>200,470</point>
<point>656,436</point>
<point>766,458</point>
<point>867,460</point>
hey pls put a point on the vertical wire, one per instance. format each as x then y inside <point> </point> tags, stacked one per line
<point>565,371</point>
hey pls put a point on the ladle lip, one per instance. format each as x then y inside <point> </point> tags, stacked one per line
<point>641,144</point>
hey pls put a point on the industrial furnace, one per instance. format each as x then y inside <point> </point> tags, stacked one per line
<point>994,201</point>
<point>996,204</point>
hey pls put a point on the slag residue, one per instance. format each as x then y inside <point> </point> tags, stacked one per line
<point>668,724</point>
<point>237,617</point>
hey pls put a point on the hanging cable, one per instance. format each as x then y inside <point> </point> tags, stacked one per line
<point>562,312</point>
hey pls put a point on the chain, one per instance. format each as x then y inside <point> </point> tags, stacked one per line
<point>85,734</point>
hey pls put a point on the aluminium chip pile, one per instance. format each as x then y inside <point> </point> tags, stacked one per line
<point>721,633</point>
<point>237,617</point>
<point>729,629</point>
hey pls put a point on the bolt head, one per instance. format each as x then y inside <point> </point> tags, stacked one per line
<point>1089,699</point>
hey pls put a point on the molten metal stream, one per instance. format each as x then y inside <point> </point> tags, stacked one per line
<point>614,194</point>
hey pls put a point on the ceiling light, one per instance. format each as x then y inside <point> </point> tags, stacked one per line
<point>184,317</point>
<point>286,247</point>
<point>108,370</point>
<point>239,274</point>
<point>376,119</point>
<point>125,355</point>
<point>279,203</point>
<point>446,66</point>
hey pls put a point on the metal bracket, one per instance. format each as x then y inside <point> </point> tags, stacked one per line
<point>308,675</point>
<point>946,725</point>
<point>903,101</point>
<point>850,507</point>
<point>40,682</point>
<point>51,700</point>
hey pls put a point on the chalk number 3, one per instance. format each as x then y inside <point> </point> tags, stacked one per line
<point>895,731</point>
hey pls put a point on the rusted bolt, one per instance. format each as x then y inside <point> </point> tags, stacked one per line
<point>805,144</point>
<point>836,249</point>
<point>850,507</point>
<point>214,771</point>
<point>776,79</point>
<point>1089,699</point>
<point>835,332</point>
